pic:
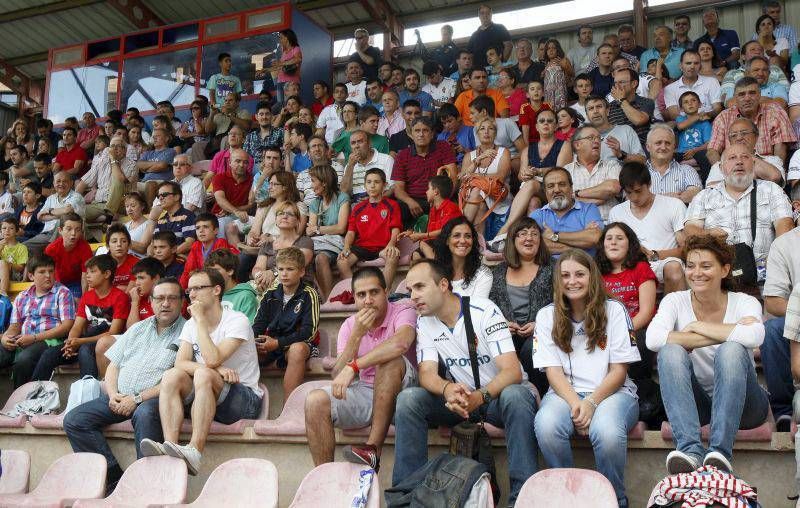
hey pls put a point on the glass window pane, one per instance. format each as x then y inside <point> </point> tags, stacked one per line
<point>75,91</point>
<point>250,57</point>
<point>225,26</point>
<point>68,56</point>
<point>264,19</point>
<point>162,77</point>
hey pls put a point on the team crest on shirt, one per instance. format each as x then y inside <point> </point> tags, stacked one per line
<point>384,214</point>
<point>297,307</point>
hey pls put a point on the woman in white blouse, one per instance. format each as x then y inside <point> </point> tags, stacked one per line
<point>584,342</point>
<point>457,246</point>
<point>705,338</point>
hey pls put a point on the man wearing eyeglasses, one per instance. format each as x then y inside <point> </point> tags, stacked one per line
<point>774,132</point>
<point>369,57</point>
<point>215,374</point>
<point>155,165</point>
<point>139,359</point>
<point>171,215</point>
<point>628,108</point>
<point>766,167</point>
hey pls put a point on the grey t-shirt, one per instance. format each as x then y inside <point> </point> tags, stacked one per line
<point>518,296</point>
<point>783,265</point>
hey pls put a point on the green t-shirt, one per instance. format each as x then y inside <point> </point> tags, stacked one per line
<point>342,144</point>
<point>15,254</point>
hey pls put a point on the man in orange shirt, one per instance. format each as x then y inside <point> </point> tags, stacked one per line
<point>479,83</point>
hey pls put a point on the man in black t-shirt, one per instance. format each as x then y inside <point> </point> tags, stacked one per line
<point>368,56</point>
<point>488,35</point>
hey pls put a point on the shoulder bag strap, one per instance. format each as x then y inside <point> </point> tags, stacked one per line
<point>753,209</point>
<point>472,341</point>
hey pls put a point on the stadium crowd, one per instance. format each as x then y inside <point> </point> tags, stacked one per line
<point>597,207</point>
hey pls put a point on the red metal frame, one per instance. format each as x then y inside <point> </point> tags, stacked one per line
<point>199,43</point>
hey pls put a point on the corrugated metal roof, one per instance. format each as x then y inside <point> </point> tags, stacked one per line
<point>177,11</point>
<point>40,33</point>
<point>15,5</point>
<point>346,14</point>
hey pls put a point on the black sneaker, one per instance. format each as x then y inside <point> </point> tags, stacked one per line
<point>783,423</point>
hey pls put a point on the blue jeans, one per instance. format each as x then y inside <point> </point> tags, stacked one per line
<point>87,360</point>
<point>776,359</point>
<point>51,358</point>
<point>514,411</point>
<point>738,400</point>
<point>22,362</point>
<point>84,426</point>
<point>608,433</point>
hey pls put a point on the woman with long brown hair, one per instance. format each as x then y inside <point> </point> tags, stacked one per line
<point>584,343</point>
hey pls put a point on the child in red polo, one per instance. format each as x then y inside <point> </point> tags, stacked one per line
<point>440,188</point>
<point>373,229</point>
<point>70,252</point>
<point>118,242</point>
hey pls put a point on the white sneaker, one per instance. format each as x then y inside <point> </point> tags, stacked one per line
<point>679,462</point>
<point>151,448</point>
<point>498,243</point>
<point>187,453</point>
<point>719,461</point>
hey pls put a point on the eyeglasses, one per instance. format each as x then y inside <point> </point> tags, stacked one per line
<point>590,138</point>
<point>165,194</point>
<point>286,214</point>
<point>197,288</point>
<point>546,120</point>
<point>162,299</point>
<point>739,134</point>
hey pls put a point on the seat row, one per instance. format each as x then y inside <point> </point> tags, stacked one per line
<point>79,479</point>
<point>291,421</point>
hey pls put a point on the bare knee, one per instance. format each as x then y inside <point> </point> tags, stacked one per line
<point>203,378</point>
<point>104,344</point>
<point>318,405</point>
<point>297,353</point>
<point>392,369</point>
<point>173,379</point>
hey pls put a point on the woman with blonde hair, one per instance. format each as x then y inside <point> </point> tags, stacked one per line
<point>584,342</point>
<point>289,235</point>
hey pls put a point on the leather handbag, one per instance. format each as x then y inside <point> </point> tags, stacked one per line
<point>470,439</point>
<point>744,270</point>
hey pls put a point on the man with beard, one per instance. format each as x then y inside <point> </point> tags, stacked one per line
<point>724,209</point>
<point>766,167</point>
<point>412,91</point>
<point>565,222</point>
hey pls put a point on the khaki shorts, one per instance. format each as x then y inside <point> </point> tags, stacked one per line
<point>658,267</point>
<point>355,411</point>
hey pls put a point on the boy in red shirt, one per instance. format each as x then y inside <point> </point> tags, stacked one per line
<point>530,110</point>
<point>145,273</point>
<point>102,310</point>
<point>118,242</point>
<point>206,229</point>
<point>442,210</point>
<point>373,229</point>
<point>70,252</point>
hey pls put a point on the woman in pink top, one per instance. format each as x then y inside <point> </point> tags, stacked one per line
<point>288,65</point>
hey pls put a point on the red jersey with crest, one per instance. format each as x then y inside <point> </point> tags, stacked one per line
<point>373,223</point>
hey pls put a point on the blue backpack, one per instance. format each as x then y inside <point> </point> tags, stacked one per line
<point>5,313</point>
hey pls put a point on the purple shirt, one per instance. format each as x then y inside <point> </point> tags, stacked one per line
<point>397,316</point>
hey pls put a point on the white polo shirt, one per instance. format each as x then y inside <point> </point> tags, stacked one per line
<point>706,87</point>
<point>435,339</point>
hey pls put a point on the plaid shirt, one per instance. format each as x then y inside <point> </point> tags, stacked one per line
<point>718,209</point>
<point>773,127</point>
<point>41,313</point>
<point>417,170</point>
<point>605,169</point>
<point>99,176</point>
<point>678,178</point>
<point>255,145</point>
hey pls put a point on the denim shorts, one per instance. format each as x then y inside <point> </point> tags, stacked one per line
<point>235,402</point>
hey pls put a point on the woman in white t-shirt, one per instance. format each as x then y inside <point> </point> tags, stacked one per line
<point>705,338</point>
<point>584,343</point>
<point>457,246</point>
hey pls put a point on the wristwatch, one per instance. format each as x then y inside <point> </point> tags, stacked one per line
<point>137,398</point>
<point>487,397</point>
<point>654,256</point>
<point>554,237</point>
